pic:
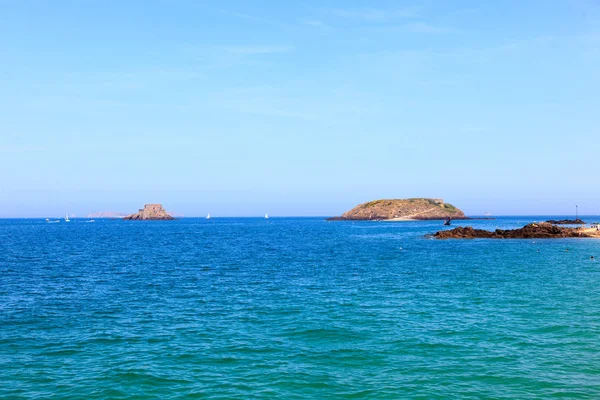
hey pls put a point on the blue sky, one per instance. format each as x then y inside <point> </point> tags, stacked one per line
<point>298,108</point>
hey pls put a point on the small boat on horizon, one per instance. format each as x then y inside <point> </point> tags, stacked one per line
<point>67,218</point>
<point>266,216</point>
<point>208,216</point>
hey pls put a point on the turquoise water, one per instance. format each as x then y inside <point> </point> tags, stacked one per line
<point>294,308</point>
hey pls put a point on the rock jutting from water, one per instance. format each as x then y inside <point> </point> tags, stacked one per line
<point>543,230</point>
<point>566,221</point>
<point>402,210</point>
<point>150,212</point>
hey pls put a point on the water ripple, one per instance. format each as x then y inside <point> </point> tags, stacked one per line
<point>293,308</point>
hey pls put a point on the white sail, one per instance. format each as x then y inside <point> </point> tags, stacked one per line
<point>267,216</point>
<point>67,218</point>
<point>208,216</point>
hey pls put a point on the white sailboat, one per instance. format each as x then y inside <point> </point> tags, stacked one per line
<point>67,218</point>
<point>208,216</point>
<point>266,216</point>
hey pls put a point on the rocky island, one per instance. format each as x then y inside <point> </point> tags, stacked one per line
<point>402,210</point>
<point>566,221</point>
<point>543,230</point>
<point>150,212</point>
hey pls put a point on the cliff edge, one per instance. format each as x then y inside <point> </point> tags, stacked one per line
<point>403,210</point>
<point>150,212</point>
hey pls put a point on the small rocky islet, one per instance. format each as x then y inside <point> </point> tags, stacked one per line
<point>150,212</point>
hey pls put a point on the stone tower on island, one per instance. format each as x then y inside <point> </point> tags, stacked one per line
<point>150,212</point>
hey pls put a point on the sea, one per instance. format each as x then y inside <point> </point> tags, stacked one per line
<point>294,308</point>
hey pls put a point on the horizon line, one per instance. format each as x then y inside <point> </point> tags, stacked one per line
<point>307,216</point>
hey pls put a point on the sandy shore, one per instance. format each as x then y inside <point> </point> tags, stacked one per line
<point>410,217</point>
<point>592,232</point>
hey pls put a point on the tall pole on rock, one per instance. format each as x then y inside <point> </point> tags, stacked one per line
<point>576,211</point>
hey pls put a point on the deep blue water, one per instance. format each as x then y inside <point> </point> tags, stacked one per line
<point>294,308</point>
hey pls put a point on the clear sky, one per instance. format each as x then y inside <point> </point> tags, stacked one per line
<point>298,108</point>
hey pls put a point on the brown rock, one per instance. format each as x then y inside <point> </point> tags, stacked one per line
<point>542,230</point>
<point>150,212</point>
<point>566,221</point>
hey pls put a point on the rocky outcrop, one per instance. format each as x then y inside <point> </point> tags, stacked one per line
<point>542,230</point>
<point>150,212</point>
<point>566,222</point>
<point>403,209</point>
